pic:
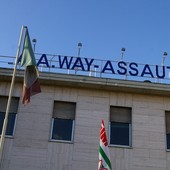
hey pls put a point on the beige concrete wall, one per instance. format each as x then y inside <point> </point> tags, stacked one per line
<point>30,149</point>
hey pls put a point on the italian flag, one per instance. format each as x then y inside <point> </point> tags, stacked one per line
<point>104,156</point>
<point>31,83</point>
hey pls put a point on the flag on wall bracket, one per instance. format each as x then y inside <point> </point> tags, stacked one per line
<point>104,155</point>
<point>31,84</point>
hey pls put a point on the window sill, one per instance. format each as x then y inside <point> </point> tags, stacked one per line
<point>61,141</point>
<point>7,136</point>
<point>120,146</point>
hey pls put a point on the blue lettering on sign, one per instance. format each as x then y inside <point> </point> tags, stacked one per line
<point>147,70</point>
<point>110,68</point>
<point>121,67</point>
<point>133,67</point>
<point>168,67</point>
<point>78,64</point>
<point>19,59</point>
<point>65,61</point>
<point>89,63</point>
<point>96,66</point>
<point>45,62</point>
<point>162,71</point>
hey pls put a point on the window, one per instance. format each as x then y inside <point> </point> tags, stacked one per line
<point>12,114</point>
<point>120,126</point>
<point>63,121</point>
<point>167,119</point>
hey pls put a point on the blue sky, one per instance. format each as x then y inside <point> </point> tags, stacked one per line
<point>103,27</point>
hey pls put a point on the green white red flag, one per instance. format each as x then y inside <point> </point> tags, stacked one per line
<point>31,83</point>
<point>104,155</point>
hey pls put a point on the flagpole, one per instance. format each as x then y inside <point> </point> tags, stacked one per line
<point>2,138</point>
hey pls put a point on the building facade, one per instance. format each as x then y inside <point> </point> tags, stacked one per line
<point>59,129</point>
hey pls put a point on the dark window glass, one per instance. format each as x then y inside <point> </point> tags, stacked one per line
<point>10,125</point>
<point>119,133</point>
<point>168,140</point>
<point>62,129</point>
<point>167,118</point>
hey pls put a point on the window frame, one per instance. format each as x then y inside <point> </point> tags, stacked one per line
<point>58,140</point>
<point>13,110</point>
<point>130,130</point>
<point>14,127</point>
<point>130,137</point>
<point>166,139</point>
<point>167,149</point>
<point>73,126</point>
